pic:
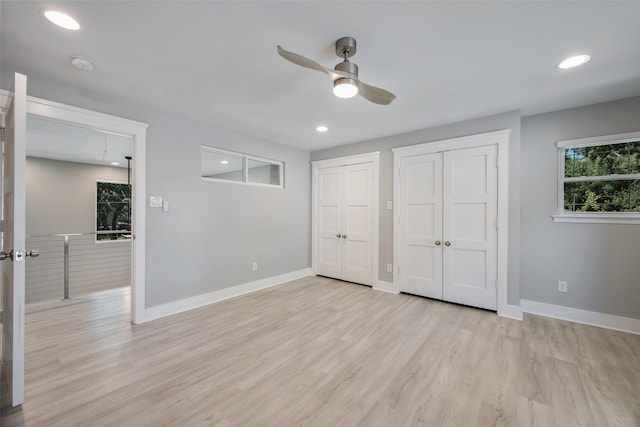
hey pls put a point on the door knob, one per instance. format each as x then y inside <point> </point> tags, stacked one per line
<point>447,243</point>
<point>4,255</point>
<point>344,236</point>
<point>33,254</point>
<point>338,235</point>
<point>437,242</point>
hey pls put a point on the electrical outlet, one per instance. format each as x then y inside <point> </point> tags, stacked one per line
<point>254,267</point>
<point>389,204</point>
<point>562,286</point>
<point>389,268</point>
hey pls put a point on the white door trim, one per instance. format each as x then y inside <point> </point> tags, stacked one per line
<point>50,110</point>
<point>373,158</point>
<point>499,138</point>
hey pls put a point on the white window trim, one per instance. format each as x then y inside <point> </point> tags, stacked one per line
<point>592,217</point>
<point>245,167</point>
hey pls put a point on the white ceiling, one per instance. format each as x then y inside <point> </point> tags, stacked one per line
<point>59,141</point>
<point>445,61</point>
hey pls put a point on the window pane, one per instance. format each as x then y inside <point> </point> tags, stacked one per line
<point>264,172</point>
<point>221,166</point>
<point>113,210</point>
<point>602,160</point>
<point>602,196</point>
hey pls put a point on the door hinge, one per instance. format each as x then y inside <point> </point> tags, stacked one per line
<point>398,270</point>
<point>400,172</point>
<point>497,222</point>
<point>497,162</point>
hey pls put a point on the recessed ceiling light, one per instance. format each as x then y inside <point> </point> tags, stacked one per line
<point>322,128</point>
<point>61,20</point>
<point>224,162</point>
<point>82,63</point>
<point>115,163</point>
<point>574,61</point>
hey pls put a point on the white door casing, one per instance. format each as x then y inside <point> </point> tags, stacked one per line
<point>13,226</point>
<point>474,222</point>
<point>345,218</point>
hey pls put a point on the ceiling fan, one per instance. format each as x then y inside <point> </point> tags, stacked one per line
<point>345,74</point>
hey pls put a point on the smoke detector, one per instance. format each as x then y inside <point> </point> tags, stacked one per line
<point>82,63</point>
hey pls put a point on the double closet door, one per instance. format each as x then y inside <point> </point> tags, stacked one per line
<point>343,222</point>
<point>446,245</point>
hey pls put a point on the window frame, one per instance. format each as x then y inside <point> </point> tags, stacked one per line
<point>95,216</point>
<point>592,217</point>
<point>245,167</point>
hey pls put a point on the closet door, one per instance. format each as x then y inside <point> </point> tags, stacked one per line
<point>329,222</point>
<point>420,225</point>
<point>344,222</point>
<point>469,226</point>
<point>357,223</point>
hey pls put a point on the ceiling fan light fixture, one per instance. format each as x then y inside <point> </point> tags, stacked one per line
<point>345,88</point>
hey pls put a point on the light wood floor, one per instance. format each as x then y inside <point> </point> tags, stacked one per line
<point>318,352</point>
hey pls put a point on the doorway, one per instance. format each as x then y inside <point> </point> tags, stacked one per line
<point>78,210</point>
<point>78,117</point>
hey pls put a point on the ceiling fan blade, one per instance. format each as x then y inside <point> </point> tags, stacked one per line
<point>308,63</point>
<point>375,94</point>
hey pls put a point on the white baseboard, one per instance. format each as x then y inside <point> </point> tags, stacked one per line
<point>603,320</point>
<point>380,285</point>
<point>510,311</point>
<point>175,307</point>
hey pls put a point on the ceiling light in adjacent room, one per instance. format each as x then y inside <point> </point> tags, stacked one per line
<point>61,20</point>
<point>574,61</point>
<point>224,162</point>
<point>115,163</point>
<point>82,63</point>
<point>345,88</point>
<point>322,128</point>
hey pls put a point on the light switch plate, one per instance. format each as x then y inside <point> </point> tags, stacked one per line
<point>155,201</point>
<point>389,204</point>
<point>165,206</point>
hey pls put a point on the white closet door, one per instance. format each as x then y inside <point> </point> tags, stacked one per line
<point>420,225</point>
<point>357,223</point>
<point>329,222</point>
<point>469,226</point>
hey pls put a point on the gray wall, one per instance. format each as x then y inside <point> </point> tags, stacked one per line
<point>509,120</point>
<point>600,261</point>
<point>213,231</point>
<point>61,196</point>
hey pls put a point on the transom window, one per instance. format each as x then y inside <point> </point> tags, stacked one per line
<point>228,166</point>
<point>599,179</point>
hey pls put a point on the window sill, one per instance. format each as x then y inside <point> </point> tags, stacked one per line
<point>598,218</point>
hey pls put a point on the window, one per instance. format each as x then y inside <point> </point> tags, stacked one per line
<point>222,165</point>
<point>113,211</point>
<point>599,179</point>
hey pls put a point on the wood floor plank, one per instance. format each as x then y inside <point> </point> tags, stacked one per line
<point>320,352</point>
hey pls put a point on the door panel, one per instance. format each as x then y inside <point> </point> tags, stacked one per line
<point>358,223</point>
<point>13,226</point>
<point>329,222</point>
<point>470,212</point>
<point>420,225</point>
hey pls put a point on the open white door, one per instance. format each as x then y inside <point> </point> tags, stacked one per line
<point>13,247</point>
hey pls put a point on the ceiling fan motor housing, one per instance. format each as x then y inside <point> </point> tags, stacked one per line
<point>345,44</point>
